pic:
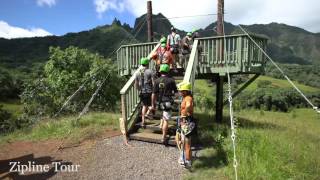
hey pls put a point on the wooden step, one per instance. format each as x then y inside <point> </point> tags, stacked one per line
<point>180,78</point>
<point>154,126</point>
<point>151,137</point>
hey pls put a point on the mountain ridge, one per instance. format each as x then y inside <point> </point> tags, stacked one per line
<point>287,44</point>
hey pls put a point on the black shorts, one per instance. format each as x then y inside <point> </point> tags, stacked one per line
<point>145,99</point>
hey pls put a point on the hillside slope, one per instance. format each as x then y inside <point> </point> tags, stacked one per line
<point>27,51</point>
<point>287,44</point>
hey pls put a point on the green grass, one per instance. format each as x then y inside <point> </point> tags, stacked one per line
<point>280,83</point>
<point>14,107</point>
<point>270,145</point>
<point>90,125</point>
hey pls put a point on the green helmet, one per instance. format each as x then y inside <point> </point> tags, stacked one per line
<point>194,30</point>
<point>163,40</point>
<point>189,34</point>
<point>164,68</point>
<point>144,61</point>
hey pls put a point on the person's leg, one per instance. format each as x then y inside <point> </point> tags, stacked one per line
<point>181,60</point>
<point>177,61</point>
<point>143,113</point>
<point>164,129</point>
<point>188,150</point>
<point>166,117</point>
<point>161,123</point>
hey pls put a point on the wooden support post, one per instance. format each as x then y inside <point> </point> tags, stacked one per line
<point>123,119</point>
<point>220,79</point>
<point>219,98</point>
<point>149,20</point>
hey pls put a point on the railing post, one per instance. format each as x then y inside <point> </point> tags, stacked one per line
<point>123,119</point>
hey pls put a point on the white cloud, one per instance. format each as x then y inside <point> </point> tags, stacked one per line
<point>293,12</point>
<point>9,32</point>
<point>104,5</point>
<point>46,2</point>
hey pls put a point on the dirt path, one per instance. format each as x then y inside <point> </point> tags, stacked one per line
<point>105,158</point>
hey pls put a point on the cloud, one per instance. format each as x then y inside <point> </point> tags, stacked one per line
<point>9,32</point>
<point>46,2</point>
<point>104,5</point>
<point>292,12</point>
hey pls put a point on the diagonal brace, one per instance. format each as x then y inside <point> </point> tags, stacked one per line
<point>238,91</point>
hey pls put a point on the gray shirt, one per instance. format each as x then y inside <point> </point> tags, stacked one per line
<point>144,80</point>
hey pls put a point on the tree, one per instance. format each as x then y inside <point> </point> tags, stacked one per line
<point>64,73</point>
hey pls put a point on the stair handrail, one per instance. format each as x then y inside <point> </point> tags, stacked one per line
<point>191,70</point>
<point>130,97</point>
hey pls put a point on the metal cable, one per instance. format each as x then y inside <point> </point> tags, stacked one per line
<point>282,72</point>
<point>82,85</point>
<point>232,124</point>
<point>190,16</point>
<point>86,108</point>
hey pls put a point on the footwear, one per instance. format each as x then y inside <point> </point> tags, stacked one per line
<point>187,164</point>
<point>164,141</point>
<point>181,162</point>
<point>142,125</point>
<point>148,116</point>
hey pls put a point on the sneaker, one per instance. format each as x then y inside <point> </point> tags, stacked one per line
<point>181,162</point>
<point>164,141</point>
<point>188,164</point>
<point>142,125</point>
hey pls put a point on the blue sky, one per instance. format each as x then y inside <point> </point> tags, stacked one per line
<point>27,18</point>
<point>59,18</point>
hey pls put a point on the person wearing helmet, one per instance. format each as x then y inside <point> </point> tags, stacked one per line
<point>162,55</point>
<point>173,42</point>
<point>186,44</point>
<point>195,33</point>
<point>163,91</point>
<point>144,83</point>
<point>186,124</point>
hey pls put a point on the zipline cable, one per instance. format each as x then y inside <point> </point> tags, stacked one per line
<point>86,108</point>
<point>232,123</point>
<point>82,85</point>
<point>281,71</point>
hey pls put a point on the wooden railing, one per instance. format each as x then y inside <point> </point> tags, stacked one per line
<point>238,51</point>
<point>130,97</point>
<point>128,56</point>
<point>191,70</point>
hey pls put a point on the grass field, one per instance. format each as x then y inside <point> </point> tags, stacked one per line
<point>269,145</point>
<point>89,126</point>
<point>14,107</point>
<point>280,83</point>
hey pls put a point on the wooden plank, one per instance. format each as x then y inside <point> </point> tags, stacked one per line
<point>156,127</point>
<point>151,137</point>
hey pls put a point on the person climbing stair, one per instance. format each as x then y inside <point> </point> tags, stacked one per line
<point>144,83</point>
<point>163,92</point>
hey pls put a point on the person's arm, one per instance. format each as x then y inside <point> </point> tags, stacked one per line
<point>168,42</point>
<point>153,100</point>
<point>188,107</point>
<point>137,83</point>
<point>154,92</point>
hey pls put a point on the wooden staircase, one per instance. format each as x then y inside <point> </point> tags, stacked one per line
<point>211,58</point>
<point>152,131</point>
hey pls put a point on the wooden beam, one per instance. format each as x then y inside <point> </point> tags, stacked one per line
<point>238,91</point>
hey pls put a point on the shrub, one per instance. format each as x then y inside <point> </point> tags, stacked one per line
<point>64,73</point>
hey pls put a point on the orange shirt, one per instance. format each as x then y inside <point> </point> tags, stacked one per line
<point>186,100</point>
<point>167,56</point>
